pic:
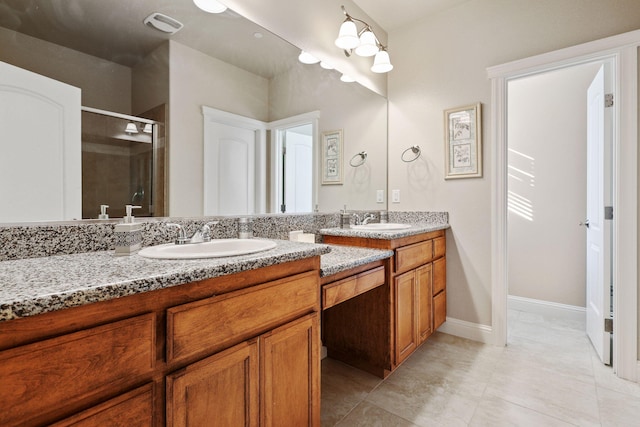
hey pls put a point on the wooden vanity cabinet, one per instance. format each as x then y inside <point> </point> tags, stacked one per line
<point>241,349</point>
<point>416,294</point>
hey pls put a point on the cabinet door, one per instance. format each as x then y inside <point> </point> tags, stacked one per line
<point>290,374</point>
<point>405,315</point>
<point>221,390</point>
<point>424,299</point>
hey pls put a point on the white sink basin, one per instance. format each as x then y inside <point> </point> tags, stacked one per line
<point>389,226</point>
<point>214,249</point>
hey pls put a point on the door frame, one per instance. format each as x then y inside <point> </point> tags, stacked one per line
<point>623,50</point>
<point>276,128</point>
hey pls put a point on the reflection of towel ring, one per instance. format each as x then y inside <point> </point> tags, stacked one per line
<point>363,159</point>
<point>416,151</point>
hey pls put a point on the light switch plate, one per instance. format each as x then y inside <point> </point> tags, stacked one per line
<point>380,196</point>
<point>395,196</point>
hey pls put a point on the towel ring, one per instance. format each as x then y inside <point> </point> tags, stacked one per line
<point>363,159</point>
<point>416,151</point>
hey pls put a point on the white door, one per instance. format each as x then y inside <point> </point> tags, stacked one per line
<point>229,166</point>
<point>298,175</point>
<point>39,182</point>
<point>598,231</point>
<point>233,164</point>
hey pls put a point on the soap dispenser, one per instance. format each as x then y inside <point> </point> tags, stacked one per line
<point>103,212</point>
<point>128,234</point>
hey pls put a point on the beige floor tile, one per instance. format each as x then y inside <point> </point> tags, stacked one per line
<point>342,388</point>
<point>605,378</point>
<point>548,375</point>
<point>618,409</point>
<point>433,395</point>
<point>494,412</point>
<point>368,415</point>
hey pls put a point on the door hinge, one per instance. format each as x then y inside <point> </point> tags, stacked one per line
<point>608,325</point>
<point>608,212</point>
<point>608,100</point>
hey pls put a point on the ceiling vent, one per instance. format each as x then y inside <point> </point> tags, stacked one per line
<point>163,23</point>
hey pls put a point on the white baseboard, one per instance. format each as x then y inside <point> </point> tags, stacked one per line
<point>547,308</point>
<point>468,330</point>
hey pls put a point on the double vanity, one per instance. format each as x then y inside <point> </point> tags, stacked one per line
<point>95,339</point>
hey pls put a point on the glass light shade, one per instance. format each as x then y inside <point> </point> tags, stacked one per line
<point>148,128</point>
<point>368,45</point>
<point>347,79</point>
<point>307,58</point>
<point>131,128</point>
<point>348,35</point>
<point>381,63</point>
<point>326,65</point>
<point>211,6</point>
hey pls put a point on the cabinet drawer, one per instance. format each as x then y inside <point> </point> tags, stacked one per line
<point>134,408</point>
<point>412,256</point>
<point>439,309</point>
<point>74,369</point>
<point>439,247</point>
<point>206,326</point>
<point>337,292</point>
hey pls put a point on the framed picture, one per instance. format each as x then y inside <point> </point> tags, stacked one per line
<point>463,142</point>
<point>332,157</point>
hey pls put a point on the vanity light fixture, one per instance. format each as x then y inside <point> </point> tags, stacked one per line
<point>307,58</point>
<point>363,42</point>
<point>131,128</point>
<point>326,65</point>
<point>148,128</point>
<point>347,79</point>
<point>210,6</point>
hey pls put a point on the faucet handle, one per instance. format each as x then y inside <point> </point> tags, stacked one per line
<point>206,230</point>
<point>182,234</point>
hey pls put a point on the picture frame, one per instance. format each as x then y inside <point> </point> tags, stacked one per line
<point>463,142</point>
<point>332,164</point>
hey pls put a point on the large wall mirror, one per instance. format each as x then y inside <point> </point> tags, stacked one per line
<point>220,62</point>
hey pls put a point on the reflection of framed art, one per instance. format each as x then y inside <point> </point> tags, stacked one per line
<point>332,157</point>
<point>463,142</point>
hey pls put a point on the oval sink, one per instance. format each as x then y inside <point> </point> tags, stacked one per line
<point>389,226</point>
<point>214,249</point>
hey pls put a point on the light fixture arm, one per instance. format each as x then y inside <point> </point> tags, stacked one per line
<point>366,27</point>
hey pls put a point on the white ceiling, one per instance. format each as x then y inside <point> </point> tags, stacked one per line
<point>393,14</point>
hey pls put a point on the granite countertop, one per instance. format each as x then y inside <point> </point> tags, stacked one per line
<point>386,235</point>
<point>39,285</point>
<point>343,258</point>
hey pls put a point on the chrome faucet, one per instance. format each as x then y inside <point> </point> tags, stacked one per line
<point>368,217</point>
<point>201,235</point>
<point>365,220</point>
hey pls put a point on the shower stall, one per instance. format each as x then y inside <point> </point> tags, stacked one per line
<point>123,162</point>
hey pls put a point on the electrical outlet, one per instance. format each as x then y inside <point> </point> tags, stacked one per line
<point>380,196</point>
<point>395,196</point>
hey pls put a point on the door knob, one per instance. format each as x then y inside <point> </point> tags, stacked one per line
<point>585,223</point>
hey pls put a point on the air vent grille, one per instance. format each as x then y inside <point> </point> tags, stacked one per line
<point>163,23</point>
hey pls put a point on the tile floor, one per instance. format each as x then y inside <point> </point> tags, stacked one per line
<point>548,375</point>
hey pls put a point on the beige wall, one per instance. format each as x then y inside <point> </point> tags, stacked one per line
<point>440,62</point>
<point>150,78</point>
<point>362,116</point>
<point>547,185</point>
<point>105,85</point>
<point>196,80</point>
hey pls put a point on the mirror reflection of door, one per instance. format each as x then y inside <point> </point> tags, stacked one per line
<point>297,169</point>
